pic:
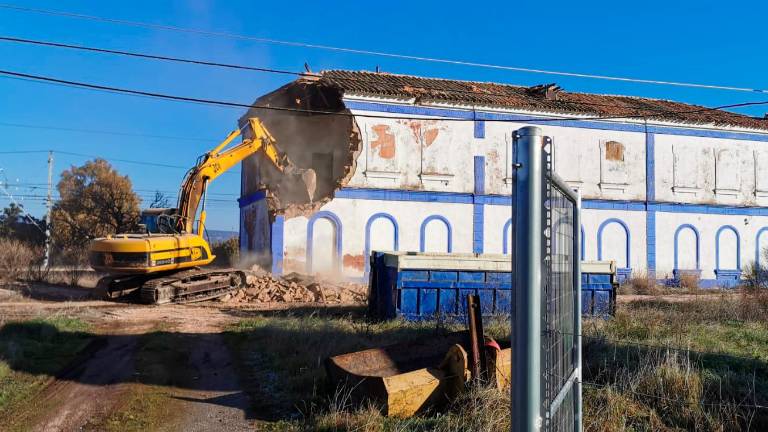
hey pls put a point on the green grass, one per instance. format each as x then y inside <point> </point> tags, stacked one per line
<point>145,409</point>
<point>33,351</point>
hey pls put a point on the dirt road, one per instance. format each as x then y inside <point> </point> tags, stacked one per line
<point>148,368</point>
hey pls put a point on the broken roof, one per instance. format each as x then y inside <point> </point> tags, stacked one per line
<point>544,98</point>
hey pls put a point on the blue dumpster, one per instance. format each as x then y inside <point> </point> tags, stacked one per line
<point>598,288</point>
<point>421,286</point>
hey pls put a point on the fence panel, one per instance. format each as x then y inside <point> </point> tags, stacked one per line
<point>561,317</point>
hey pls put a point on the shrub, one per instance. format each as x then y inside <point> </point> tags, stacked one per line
<point>38,271</point>
<point>755,276</point>
<point>16,258</point>
<point>689,281</point>
<point>640,283</point>
<point>75,262</point>
<point>227,252</point>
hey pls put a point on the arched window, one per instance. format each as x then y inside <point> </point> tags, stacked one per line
<point>727,256</point>
<point>614,243</point>
<point>436,235</point>
<point>727,245</point>
<point>506,234</point>
<point>387,236</point>
<point>687,241</point>
<point>759,247</point>
<point>323,243</point>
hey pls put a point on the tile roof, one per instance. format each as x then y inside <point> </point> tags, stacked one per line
<point>545,98</point>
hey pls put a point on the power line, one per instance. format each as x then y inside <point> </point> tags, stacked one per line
<point>154,56</point>
<point>375,53</point>
<point>40,78</point>
<point>262,69</point>
<point>32,185</point>
<point>108,159</point>
<point>105,132</point>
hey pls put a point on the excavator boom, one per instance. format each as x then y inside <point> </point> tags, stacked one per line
<point>219,160</point>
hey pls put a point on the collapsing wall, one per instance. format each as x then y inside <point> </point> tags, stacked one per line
<point>314,129</point>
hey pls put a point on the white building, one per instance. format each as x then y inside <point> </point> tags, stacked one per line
<point>418,164</point>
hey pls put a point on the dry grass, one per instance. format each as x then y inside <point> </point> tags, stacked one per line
<point>710,383</point>
<point>640,283</point>
<point>689,281</point>
<point>631,384</point>
<point>16,258</point>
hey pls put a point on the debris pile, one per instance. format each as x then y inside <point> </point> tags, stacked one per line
<point>262,287</point>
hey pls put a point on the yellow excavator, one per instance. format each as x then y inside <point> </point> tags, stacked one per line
<point>163,261</point>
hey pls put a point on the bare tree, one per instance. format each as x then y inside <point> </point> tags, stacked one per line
<point>161,200</point>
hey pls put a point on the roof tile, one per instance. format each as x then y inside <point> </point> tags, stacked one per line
<point>530,98</point>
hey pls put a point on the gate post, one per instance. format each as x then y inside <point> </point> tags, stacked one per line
<point>526,331</point>
<point>578,408</point>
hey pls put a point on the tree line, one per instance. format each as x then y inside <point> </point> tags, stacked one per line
<point>94,201</point>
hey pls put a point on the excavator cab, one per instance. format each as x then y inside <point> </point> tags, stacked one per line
<point>159,220</point>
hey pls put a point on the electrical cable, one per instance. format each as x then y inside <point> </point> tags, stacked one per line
<point>32,185</point>
<point>105,132</point>
<point>349,114</point>
<point>373,52</point>
<point>108,159</point>
<point>277,71</point>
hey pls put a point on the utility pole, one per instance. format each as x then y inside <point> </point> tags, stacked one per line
<point>48,205</point>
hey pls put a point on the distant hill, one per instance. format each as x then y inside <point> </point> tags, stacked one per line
<point>218,236</point>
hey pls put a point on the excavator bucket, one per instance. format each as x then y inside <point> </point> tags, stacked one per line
<point>298,181</point>
<point>309,177</point>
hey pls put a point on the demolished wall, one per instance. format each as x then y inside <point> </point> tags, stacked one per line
<point>313,128</point>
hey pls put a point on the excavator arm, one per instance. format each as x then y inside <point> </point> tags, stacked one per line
<point>221,159</point>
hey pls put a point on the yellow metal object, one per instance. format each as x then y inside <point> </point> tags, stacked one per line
<point>150,253</point>
<point>138,254</point>
<point>409,378</point>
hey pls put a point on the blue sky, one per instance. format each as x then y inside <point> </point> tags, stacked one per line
<point>702,41</point>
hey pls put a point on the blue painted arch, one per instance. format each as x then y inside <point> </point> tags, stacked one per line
<point>627,251</point>
<point>757,244</point>
<point>680,229</point>
<point>505,244</point>
<point>423,232</point>
<point>368,225</point>
<point>310,234</point>
<point>717,247</point>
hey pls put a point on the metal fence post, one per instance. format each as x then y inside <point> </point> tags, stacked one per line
<point>578,409</point>
<point>526,381</point>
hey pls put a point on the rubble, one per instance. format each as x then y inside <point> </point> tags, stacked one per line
<point>263,287</point>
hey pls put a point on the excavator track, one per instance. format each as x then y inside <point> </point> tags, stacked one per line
<point>191,286</point>
<point>120,287</point>
<point>185,286</point>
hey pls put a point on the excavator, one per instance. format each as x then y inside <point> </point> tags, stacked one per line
<point>165,260</point>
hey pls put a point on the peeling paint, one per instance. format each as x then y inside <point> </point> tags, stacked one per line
<point>384,142</point>
<point>614,151</point>
<point>356,262</point>
<point>430,135</point>
<point>493,157</point>
<point>424,132</point>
